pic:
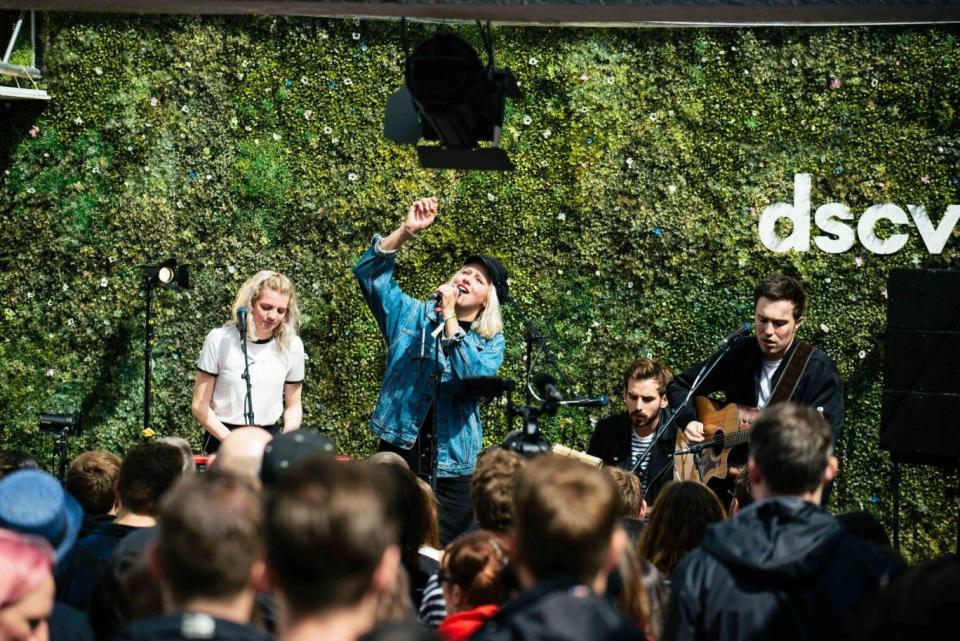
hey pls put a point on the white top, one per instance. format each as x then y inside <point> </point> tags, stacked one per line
<point>765,381</point>
<point>270,368</point>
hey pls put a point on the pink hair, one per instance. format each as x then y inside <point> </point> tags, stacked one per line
<point>26,562</point>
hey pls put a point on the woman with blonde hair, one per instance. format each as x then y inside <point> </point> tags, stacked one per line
<point>26,587</point>
<point>274,357</point>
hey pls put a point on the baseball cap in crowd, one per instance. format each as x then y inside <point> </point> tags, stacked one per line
<point>33,502</point>
<point>289,448</point>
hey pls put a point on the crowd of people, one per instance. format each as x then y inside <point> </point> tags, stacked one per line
<point>279,538</point>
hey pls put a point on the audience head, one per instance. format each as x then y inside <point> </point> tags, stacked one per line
<point>210,537</point>
<point>13,460</point>
<point>920,604</point>
<point>631,492</point>
<point>330,542</point>
<point>289,449</point>
<point>471,572</point>
<point>92,479</point>
<point>189,465</point>
<point>491,488</point>
<point>566,514</point>
<point>26,587</point>
<point>242,451</point>
<point>791,452</point>
<point>34,503</point>
<point>742,496</point>
<point>146,473</point>
<point>680,518</point>
<point>388,458</point>
<point>410,507</point>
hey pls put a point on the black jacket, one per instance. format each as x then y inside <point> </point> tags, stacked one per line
<point>782,569</point>
<point>558,611</point>
<point>611,442</point>
<point>181,626</point>
<point>736,376</point>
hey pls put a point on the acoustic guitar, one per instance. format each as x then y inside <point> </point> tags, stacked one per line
<point>724,427</point>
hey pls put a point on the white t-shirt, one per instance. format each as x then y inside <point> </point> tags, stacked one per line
<point>765,381</point>
<point>270,369</point>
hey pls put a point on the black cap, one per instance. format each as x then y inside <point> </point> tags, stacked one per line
<point>290,448</point>
<point>498,274</point>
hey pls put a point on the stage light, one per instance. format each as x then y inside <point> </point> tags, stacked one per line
<point>452,97</point>
<point>168,275</point>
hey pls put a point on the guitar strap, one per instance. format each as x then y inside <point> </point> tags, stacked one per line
<point>791,374</point>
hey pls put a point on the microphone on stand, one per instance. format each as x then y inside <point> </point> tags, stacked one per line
<point>547,387</point>
<point>242,322</point>
<point>743,330</point>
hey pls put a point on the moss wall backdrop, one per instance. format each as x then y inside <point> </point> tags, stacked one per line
<point>644,159</point>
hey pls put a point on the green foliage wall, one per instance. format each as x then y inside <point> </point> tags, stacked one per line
<point>644,158</point>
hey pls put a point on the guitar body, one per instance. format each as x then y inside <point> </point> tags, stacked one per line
<point>726,426</point>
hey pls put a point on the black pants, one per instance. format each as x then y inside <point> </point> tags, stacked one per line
<point>211,443</point>
<point>453,492</point>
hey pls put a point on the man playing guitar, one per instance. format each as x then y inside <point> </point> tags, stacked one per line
<point>753,369</point>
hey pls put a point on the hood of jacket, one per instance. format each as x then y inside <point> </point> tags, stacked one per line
<point>783,538</point>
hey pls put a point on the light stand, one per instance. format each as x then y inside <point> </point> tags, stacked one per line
<point>168,276</point>
<point>61,426</point>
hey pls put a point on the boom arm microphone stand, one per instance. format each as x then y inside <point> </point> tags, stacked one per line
<point>695,449</point>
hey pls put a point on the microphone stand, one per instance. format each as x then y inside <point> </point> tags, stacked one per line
<point>714,359</point>
<point>248,400</point>
<point>437,378</point>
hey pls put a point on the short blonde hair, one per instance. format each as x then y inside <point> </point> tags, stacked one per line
<point>251,290</point>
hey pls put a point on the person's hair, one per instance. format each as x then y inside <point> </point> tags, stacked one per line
<point>782,287</point>
<point>647,368</point>
<point>396,606</point>
<point>13,460</point>
<point>432,534</point>
<point>327,529</point>
<point>251,290</point>
<point>409,507</point>
<point>146,473</point>
<point>631,491</point>
<point>91,478</point>
<point>680,518</point>
<point>491,486</point>
<point>741,491</point>
<point>475,562</point>
<point>189,466</point>
<point>865,526</point>
<point>565,513</point>
<point>26,562</point>
<point>792,445</point>
<point>640,591</point>
<point>920,604</point>
<point>210,535</point>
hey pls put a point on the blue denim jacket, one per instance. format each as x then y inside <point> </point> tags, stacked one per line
<point>407,389</point>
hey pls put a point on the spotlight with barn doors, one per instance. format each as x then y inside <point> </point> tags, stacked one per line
<point>453,98</point>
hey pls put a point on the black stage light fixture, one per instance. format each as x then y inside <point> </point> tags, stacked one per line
<point>168,275</point>
<point>453,98</point>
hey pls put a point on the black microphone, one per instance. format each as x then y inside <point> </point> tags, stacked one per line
<point>437,296</point>
<point>547,387</point>
<point>597,401</point>
<point>242,321</point>
<point>743,330</point>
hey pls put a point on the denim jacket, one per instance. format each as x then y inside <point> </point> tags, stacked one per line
<point>407,389</point>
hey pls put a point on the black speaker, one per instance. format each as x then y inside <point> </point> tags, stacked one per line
<point>920,413</point>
